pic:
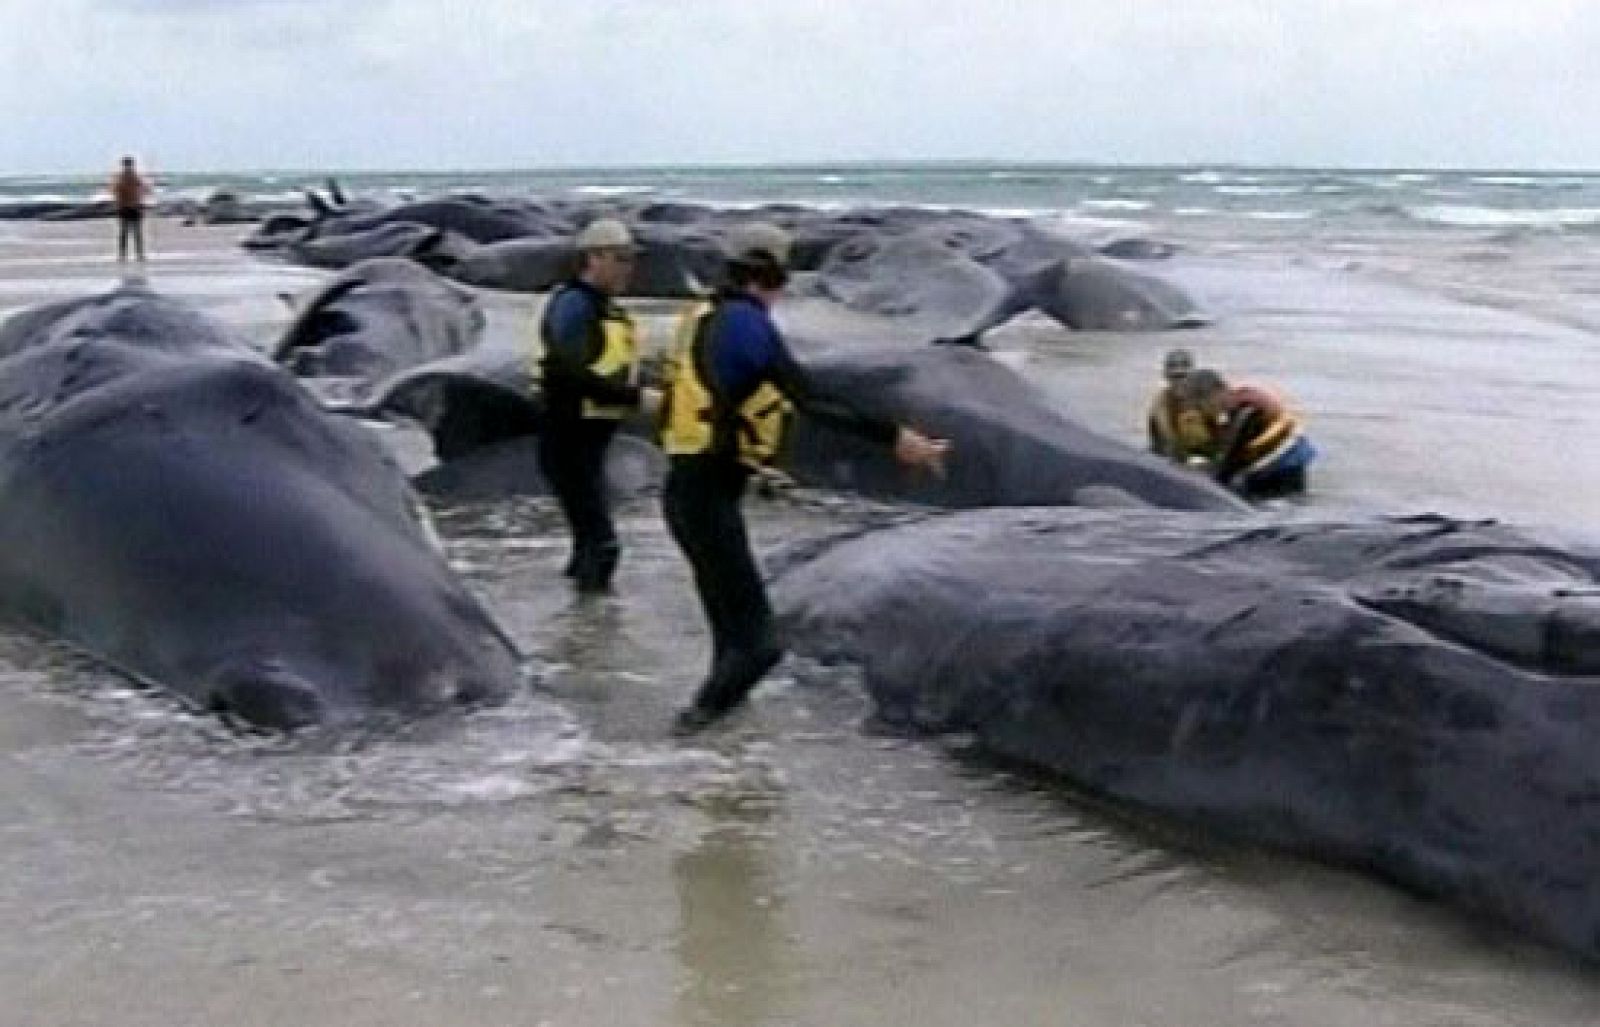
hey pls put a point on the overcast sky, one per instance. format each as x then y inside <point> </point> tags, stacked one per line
<point>447,84</point>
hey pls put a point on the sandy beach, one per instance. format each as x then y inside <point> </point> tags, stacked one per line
<point>560,861</point>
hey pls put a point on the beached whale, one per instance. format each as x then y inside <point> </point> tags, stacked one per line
<point>479,218</point>
<point>333,252</point>
<point>670,263</point>
<point>949,273</point>
<point>1009,444</point>
<point>377,318</point>
<point>1415,696</point>
<point>927,287</point>
<point>1098,293</point>
<point>174,504</point>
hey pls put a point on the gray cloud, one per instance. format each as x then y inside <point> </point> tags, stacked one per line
<point>319,83</point>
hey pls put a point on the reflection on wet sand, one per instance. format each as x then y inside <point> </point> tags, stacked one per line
<point>737,957</point>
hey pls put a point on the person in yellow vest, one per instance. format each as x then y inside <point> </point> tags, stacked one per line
<point>1179,429</point>
<point>588,373</point>
<point>731,385</point>
<point>1262,450</point>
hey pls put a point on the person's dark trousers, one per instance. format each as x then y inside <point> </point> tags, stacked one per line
<point>1277,484</point>
<point>130,225</point>
<point>572,456</point>
<point>701,504</point>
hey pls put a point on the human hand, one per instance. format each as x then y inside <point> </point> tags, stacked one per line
<point>770,482</point>
<point>650,402</point>
<point>915,449</point>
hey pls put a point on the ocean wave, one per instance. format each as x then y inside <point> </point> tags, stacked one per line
<point>1464,216</point>
<point>1195,212</point>
<point>614,190</point>
<point>1023,213</point>
<point>1377,208</point>
<point>1259,190</point>
<point>1026,177</point>
<point>1279,215</point>
<point>1116,204</point>
<point>82,197</point>
<point>1520,181</point>
<point>1212,177</point>
<point>1087,226</point>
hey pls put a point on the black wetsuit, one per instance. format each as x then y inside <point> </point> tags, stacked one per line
<point>572,447</point>
<point>703,492</point>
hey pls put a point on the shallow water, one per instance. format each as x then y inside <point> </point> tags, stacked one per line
<point>560,860</point>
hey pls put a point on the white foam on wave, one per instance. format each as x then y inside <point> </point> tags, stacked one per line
<point>1280,215</point>
<point>1117,203</point>
<point>1195,212</point>
<point>614,190</point>
<point>46,198</point>
<point>1260,190</point>
<point>1088,227</point>
<point>1212,177</point>
<point>1466,216</point>
<point>1034,177</point>
<point>1019,213</point>
<point>1519,181</point>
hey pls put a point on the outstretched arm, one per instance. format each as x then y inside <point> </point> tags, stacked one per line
<point>911,447</point>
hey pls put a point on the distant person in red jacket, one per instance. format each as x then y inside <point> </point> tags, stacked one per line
<point>129,193</point>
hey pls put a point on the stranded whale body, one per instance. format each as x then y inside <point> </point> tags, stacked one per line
<point>1009,446</point>
<point>377,318</point>
<point>175,505</point>
<point>1419,696</point>
<point>945,273</point>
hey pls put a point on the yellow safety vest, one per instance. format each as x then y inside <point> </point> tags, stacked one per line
<point>1182,426</point>
<point>618,360</point>
<point>694,421</point>
<point>1275,438</point>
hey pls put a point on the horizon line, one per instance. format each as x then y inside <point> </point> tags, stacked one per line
<point>856,163</point>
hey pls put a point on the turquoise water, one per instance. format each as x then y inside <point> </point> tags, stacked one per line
<point>1474,200</point>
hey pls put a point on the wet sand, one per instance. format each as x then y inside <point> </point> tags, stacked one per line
<point>560,861</point>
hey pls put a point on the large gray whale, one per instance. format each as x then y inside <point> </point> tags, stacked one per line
<point>947,273</point>
<point>1010,446</point>
<point>182,509</point>
<point>378,318</point>
<point>1416,696</point>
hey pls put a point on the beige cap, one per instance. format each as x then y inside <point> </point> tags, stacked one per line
<point>759,237</point>
<point>604,234</point>
<point>1177,363</point>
